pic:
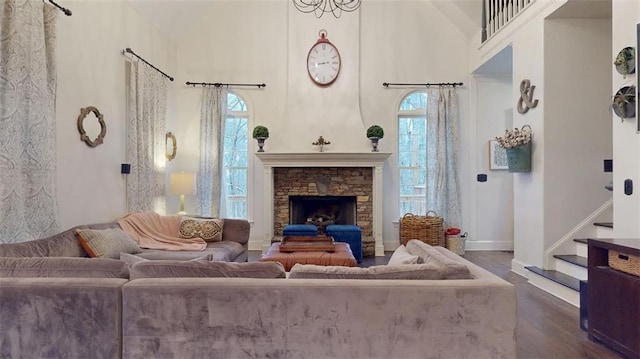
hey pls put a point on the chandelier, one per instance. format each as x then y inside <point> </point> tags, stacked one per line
<point>319,7</point>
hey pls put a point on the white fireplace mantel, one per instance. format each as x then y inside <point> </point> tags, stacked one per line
<point>374,160</point>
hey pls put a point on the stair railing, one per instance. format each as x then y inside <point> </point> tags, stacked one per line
<point>497,13</point>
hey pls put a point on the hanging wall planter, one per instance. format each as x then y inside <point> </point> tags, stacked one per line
<point>626,61</point>
<point>517,143</point>
<point>624,102</point>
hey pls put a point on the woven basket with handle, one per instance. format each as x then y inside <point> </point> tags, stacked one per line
<point>428,229</point>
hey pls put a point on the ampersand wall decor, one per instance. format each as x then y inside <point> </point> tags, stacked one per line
<point>526,100</point>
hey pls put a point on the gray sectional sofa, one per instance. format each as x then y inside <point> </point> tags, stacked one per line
<point>276,317</point>
<point>233,247</point>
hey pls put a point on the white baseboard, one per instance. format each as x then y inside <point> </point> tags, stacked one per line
<point>517,267</point>
<point>488,245</point>
<point>557,290</point>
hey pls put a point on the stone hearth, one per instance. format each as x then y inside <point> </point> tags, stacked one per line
<point>330,174</point>
<point>344,181</point>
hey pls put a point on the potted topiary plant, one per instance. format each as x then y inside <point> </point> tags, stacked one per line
<point>375,133</point>
<point>260,133</point>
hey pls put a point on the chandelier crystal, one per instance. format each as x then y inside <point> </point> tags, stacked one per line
<point>319,7</point>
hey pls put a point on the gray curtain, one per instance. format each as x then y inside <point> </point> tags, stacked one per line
<point>209,180</point>
<point>442,147</point>
<point>146,123</point>
<point>28,204</point>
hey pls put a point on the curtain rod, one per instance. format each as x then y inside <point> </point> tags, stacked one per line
<point>218,84</point>
<point>439,84</point>
<point>128,50</point>
<point>64,10</point>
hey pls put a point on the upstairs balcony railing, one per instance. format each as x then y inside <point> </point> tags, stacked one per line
<point>497,13</point>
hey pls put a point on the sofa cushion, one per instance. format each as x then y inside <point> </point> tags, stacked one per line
<point>401,271</point>
<point>106,243</point>
<point>132,259</point>
<point>452,269</point>
<point>73,267</point>
<point>205,268</point>
<point>208,229</point>
<point>402,256</point>
<point>225,251</point>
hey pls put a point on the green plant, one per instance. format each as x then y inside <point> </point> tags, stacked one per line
<point>624,102</point>
<point>375,131</point>
<point>624,56</point>
<point>260,132</point>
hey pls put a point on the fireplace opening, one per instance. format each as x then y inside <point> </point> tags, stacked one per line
<point>322,211</point>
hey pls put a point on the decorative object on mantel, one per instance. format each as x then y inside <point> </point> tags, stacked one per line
<point>624,102</point>
<point>517,143</point>
<point>375,133</point>
<point>321,142</point>
<point>260,133</point>
<point>174,146</point>
<point>526,100</point>
<point>626,61</point>
<point>319,7</point>
<point>94,137</point>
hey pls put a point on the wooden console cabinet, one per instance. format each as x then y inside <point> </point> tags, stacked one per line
<point>614,297</point>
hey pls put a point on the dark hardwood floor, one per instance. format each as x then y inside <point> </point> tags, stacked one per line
<point>547,326</point>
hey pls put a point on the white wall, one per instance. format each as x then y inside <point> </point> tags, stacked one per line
<point>566,180</point>
<point>626,144</point>
<point>91,72</point>
<point>492,203</point>
<point>268,41</point>
<point>577,129</point>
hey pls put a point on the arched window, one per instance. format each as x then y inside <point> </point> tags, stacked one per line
<point>235,161</point>
<point>412,153</point>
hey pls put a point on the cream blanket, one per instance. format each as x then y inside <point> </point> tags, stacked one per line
<point>154,231</point>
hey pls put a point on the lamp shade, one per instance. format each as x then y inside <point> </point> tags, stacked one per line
<point>182,183</point>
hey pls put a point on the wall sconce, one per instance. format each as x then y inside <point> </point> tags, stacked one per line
<point>182,183</point>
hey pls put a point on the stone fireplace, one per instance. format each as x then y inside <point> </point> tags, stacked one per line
<point>347,184</point>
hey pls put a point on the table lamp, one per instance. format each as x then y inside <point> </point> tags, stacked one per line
<point>182,183</point>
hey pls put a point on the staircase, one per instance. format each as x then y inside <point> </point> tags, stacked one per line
<point>566,266</point>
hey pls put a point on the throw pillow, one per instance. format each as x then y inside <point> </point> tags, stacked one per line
<point>106,243</point>
<point>68,267</point>
<point>452,268</point>
<point>402,256</point>
<point>401,271</point>
<point>205,268</point>
<point>208,229</point>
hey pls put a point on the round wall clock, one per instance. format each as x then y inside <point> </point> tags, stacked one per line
<point>323,61</point>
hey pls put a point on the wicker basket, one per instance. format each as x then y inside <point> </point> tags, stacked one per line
<point>624,262</point>
<point>429,229</point>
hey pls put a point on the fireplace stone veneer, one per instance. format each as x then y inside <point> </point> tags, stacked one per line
<point>302,174</point>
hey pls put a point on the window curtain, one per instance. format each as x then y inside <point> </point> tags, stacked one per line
<point>208,185</point>
<point>146,123</point>
<point>442,143</point>
<point>28,204</point>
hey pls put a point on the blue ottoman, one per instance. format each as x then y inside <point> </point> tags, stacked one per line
<point>350,234</point>
<point>306,230</point>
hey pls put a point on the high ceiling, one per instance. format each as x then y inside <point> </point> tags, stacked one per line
<point>175,17</point>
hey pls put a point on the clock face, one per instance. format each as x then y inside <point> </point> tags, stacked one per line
<point>323,63</point>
